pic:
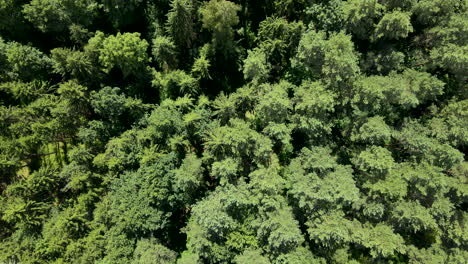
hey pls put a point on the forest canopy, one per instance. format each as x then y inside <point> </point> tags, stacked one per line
<point>242,131</point>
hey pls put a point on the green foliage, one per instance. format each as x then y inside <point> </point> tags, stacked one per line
<point>278,39</point>
<point>330,231</point>
<point>174,83</point>
<point>340,61</point>
<point>394,25</point>
<point>270,132</point>
<point>334,60</point>
<point>25,92</point>
<point>164,52</point>
<point>327,15</point>
<point>73,64</point>
<point>300,255</point>
<point>251,255</point>
<point>415,140</point>
<point>281,231</point>
<point>429,255</point>
<point>201,67</point>
<point>24,206</point>
<point>413,217</point>
<point>374,131</point>
<point>108,103</point>
<point>71,108</point>
<point>149,251</point>
<point>125,51</point>
<point>453,30</point>
<point>384,61</point>
<point>315,187</point>
<point>237,141</point>
<point>380,240</point>
<point>375,160</point>
<point>146,192</point>
<point>188,179</point>
<point>453,58</point>
<point>24,62</point>
<point>58,15</point>
<point>310,53</point>
<point>256,67</point>
<point>274,105</point>
<point>361,16</point>
<point>395,4</point>
<point>313,107</point>
<point>180,23</point>
<point>219,17</point>
<point>431,12</point>
<point>379,94</point>
<point>449,123</point>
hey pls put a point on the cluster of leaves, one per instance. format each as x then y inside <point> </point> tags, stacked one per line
<point>282,131</point>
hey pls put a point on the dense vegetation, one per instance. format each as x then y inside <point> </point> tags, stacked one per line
<point>247,131</point>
